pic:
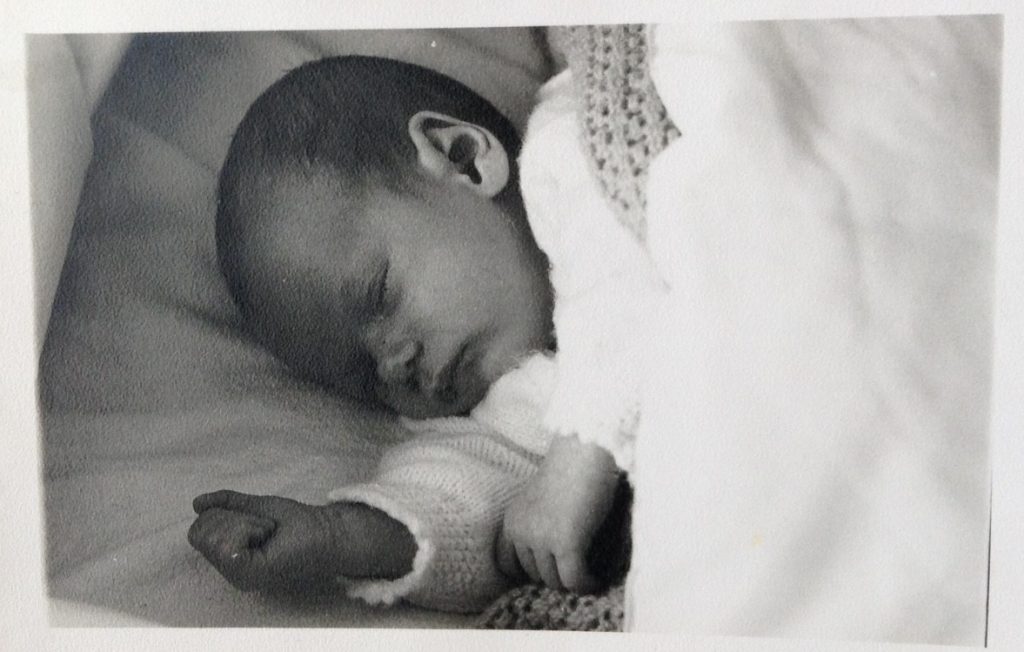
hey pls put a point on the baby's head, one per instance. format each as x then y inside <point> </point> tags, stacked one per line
<point>370,228</point>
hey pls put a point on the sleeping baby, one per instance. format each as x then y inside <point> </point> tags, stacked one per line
<point>375,238</point>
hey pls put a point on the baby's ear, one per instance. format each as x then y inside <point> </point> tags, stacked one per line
<point>451,149</point>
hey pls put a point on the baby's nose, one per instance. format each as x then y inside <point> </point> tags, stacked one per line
<point>398,364</point>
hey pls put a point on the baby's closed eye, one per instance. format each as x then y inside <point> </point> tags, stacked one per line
<point>377,293</point>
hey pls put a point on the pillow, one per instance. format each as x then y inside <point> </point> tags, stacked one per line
<point>67,75</point>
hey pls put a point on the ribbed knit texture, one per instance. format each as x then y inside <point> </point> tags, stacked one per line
<point>622,119</point>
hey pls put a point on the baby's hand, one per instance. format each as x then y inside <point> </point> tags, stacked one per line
<point>550,525</point>
<point>263,542</point>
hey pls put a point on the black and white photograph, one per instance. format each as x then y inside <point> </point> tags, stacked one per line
<point>611,329</point>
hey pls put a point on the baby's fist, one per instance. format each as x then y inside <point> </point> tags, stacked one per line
<point>260,542</point>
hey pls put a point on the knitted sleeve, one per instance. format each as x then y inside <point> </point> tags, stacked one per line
<point>449,486</point>
<point>605,284</point>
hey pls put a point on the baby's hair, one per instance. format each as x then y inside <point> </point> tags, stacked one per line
<point>347,115</point>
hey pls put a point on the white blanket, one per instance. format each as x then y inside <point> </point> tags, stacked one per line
<point>813,459</point>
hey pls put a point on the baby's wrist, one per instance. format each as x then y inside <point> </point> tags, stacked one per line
<point>367,542</point>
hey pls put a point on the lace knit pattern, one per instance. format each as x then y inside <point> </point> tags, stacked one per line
<point>624,123</point>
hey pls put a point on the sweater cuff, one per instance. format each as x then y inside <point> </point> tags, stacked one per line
<point>450,491</point>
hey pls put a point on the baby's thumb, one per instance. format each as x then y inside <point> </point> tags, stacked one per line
<point>229,500</point>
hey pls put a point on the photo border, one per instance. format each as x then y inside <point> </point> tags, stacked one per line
<point>25,606</point>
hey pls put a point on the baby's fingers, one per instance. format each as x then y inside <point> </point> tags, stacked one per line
<point>572,570</point>
<point>226,499</point>
<point>230,529</point>
<point>231,543</point>
<point>548,570</point>
<point>526,561</point>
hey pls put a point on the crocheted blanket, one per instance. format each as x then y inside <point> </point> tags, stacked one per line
<point>623,123</point>
<point>538,607</point>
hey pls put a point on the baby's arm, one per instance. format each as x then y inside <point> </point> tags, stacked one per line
<point>423,530</point>
<point>267,543</point>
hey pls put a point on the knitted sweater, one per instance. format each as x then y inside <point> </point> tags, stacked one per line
<point>450,485</point>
